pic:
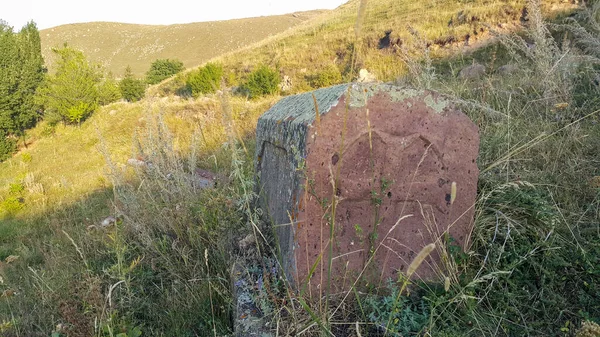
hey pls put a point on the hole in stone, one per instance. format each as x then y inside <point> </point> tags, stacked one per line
<point>335,158</point>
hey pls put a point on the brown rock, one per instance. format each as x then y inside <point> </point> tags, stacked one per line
<point>399,154</point>
<point>472,72</point>
<point>508,69</point>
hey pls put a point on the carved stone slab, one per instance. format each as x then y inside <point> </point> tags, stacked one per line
<point>376,153</point>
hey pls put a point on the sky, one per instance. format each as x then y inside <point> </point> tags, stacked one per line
<point>51,13</point>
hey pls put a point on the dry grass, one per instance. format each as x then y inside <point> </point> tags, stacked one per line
<point>117,45</point>
<point>151,272</point>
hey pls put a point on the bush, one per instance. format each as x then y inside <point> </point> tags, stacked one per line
<point>263,81</point>
<point>108,91</point>
<point>76,113</point>
<point>132,89</point>
<point>72,93</point>
<point>11,205</point>
<point>327,77</point>
<point>163,69</point>
<point>205,80</point>
<point>8,146</point>
<point>176,86</point>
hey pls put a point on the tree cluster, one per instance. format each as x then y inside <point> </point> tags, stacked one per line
<point>205,80</point>
<point>132,89</point>
<point>162,69</point>
<point>21,72</point>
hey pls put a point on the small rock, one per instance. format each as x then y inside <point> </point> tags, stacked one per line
<point>204,178</point>
<point>136,162</point>
<point>112,112</point>
<point>11,259</point>
<point>109,221</point>
<point>246,242</point>
<point>286,83</point>
<point>508,69</point>
<point>595,182</point>
<point>472,72</point>
<point>365,76</point>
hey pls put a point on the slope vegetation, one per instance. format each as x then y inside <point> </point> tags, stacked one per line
<point>163,266</point>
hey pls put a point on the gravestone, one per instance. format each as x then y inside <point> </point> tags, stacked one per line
<point>351,160</point>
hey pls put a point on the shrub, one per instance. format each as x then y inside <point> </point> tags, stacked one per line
<point>176,86</point>
<point>16,189</point>
<point>11,205</point>
<point>72,93</point>
<point>263,81</point>
<point>108,91</point>
<point>327,77</point>
<point>205,80</point>
<point>162,69</point>
<point>26,157</point>
<point>409,314</point>
<point>8,146</point>
<point>132,89</point>
<point>76,113</point>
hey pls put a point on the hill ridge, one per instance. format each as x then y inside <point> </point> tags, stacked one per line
<point>115,45</point>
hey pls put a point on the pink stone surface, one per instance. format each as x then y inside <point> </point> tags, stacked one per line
<point>395,157</point>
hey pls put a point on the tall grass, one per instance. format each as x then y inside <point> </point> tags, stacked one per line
<point>162,267</point>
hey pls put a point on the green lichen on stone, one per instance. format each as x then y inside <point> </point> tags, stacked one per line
<point>402,94</point>
<point>301,108</point>
<point>360,94</point>
<point>438,105</point>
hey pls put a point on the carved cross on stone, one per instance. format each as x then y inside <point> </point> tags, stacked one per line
<point>338,168</point>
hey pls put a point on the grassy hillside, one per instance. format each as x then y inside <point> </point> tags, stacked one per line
<point>328,42</point>
<point>116,45</point>
<point>163,269</point>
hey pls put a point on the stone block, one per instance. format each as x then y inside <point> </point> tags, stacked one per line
<point>354,159</point>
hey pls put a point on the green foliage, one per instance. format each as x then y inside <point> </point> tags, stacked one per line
<point>26,157</point>
<point>108,91</point>
<point>132,89</point>
<point>162,69</point>
<point>76,113</point>
<point>263,81</point>
<point>176,86</point>
<point>11,205</point>
<point>72,93</point>
<point>14,202</point>
<point>21,72</point>
<point>532,271</point>
<point>8,146</point>
<point>329,76</point>
<point>410,314</point>
<point>16,188</point>
<point>205,80</point>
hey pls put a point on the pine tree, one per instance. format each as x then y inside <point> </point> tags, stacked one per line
<point>31,75</point>
<point>71,93</point>
<point>132,89</point>
<point>9,79</point>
